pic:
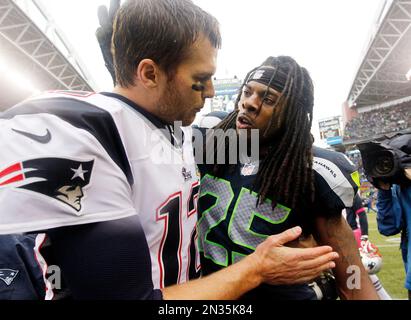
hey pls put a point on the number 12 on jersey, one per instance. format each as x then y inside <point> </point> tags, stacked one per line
<point>170,254</point>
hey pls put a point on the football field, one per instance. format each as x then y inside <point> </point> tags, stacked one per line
<point>392,273</point>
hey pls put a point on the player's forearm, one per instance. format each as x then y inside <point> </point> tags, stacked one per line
<point>227,284</point>
<point>353,282</point>
<point>352,279</point>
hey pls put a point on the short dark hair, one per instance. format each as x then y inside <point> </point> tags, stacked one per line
<point>161,30</point>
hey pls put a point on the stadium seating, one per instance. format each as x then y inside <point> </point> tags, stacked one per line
<point>376,123</point>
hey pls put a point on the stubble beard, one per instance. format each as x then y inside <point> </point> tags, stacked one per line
<point>170,106</point>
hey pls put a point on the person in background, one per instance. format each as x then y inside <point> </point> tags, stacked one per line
<point>370,256</point>
<point>371,200</point>
<point>394,205</point>
<point>357,219</point>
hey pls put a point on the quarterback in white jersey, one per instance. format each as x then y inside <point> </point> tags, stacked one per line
<point>98,164</point>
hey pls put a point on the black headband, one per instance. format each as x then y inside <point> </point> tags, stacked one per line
<point>270,77</point>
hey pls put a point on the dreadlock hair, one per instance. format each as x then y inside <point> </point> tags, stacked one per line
<point>286,171</point>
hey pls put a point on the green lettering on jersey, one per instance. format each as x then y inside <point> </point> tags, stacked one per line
<point>244,213</point>
<point>213,216</point>
<point>241,221</point>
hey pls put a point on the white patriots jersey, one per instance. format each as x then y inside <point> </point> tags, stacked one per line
<point>76,158</point>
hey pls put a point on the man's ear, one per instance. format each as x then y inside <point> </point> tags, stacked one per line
<point>407,172</point>
<point>148,73</point>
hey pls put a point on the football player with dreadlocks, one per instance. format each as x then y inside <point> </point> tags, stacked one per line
<point>292,183</point>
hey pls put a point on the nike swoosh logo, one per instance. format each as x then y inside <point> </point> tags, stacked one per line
<point>42,139</point>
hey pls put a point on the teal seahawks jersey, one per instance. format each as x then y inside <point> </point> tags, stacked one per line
<point>231,225</point>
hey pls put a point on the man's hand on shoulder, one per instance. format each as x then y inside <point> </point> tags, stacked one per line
<point>278,264</point>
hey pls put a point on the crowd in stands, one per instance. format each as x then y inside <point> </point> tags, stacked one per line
<point>375,123</point>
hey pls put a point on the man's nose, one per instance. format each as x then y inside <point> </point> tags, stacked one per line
<point>252,103</point>
<point>209,90</point>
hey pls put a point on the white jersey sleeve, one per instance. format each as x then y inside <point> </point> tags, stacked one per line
<point>336,180</point>
<point>78,158</point>
<point>62,163</point>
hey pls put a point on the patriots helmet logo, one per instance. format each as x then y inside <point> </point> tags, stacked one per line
<point>186,174</point>
<point>8,275</point>
<point>61,179</point>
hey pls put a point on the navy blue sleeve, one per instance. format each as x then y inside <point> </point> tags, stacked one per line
<point>389,213</point>
<point>21,276</point>
<point>105,260</point>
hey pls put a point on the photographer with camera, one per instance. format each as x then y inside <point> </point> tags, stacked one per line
<point>388,167</point>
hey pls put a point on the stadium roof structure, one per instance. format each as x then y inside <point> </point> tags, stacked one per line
<point>35,54</point>
<point>381,78</point>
